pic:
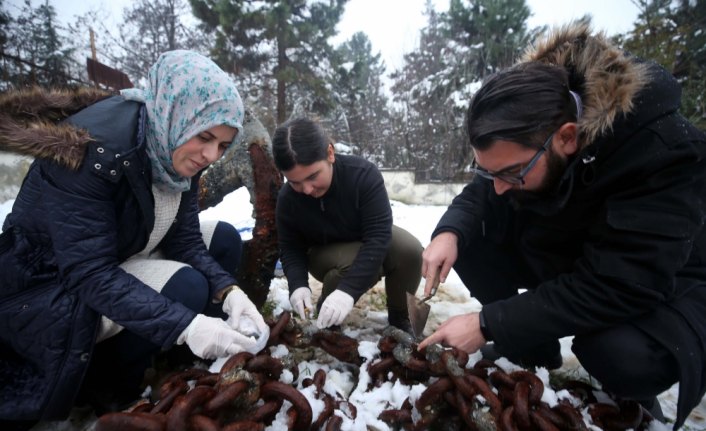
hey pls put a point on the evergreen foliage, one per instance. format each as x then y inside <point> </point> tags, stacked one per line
<point>674,35</point>
<point>280,54</point>
<point>157,26</point>
<point>456,51</point>
<point>283,41</point>
<point>34,52</point>
<point>358,89</point>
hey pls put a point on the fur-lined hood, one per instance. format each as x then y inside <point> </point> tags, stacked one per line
<point>29,123</point>
<point>606,78</point>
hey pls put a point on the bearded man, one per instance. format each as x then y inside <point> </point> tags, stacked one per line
<point>585,218</point>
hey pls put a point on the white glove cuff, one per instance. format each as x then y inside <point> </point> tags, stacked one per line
<point>185,333</point>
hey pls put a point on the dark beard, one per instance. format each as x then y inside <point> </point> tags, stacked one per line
<point>556,166</point>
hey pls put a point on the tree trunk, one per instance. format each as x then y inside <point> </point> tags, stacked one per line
<point>250,164</point>
<point>281,84</point>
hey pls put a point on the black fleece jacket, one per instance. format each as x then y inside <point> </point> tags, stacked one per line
<point>355,208</point>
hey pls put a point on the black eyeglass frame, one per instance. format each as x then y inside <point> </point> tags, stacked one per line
<point>518,179</point>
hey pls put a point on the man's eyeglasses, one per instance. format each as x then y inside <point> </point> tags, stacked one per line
<point>513,178</point>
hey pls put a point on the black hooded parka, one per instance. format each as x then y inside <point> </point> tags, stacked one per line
<point>624,239</point>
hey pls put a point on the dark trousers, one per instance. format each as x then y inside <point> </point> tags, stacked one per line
<point>627,361</point>
<point>117,367</point>
<point>402,268</point>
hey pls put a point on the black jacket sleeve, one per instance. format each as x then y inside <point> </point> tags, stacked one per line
<point>355,209</point>
<point>376,220</point>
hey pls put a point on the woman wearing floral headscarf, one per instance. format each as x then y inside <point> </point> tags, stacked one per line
<point>103,259</point>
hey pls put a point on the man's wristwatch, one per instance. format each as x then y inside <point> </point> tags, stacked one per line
<point>484,328</point>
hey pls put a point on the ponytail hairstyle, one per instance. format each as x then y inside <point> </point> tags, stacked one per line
<point>299,141</point>
<point>522,104</point>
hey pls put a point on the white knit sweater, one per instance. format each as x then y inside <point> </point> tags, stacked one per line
<point>148,265</point>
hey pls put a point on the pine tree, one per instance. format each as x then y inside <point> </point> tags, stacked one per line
<point>673,35</point>
<point>420,91</point>
<point>494,31</point>
<point>653,36</point>
<point>35,53</point>
<point>50,49</point>
<point>690,65</point>
<point>457,49</point>
<point>357,86</point>
<point>286,41</point>
<point>5,22</point>
<point>151,27</point>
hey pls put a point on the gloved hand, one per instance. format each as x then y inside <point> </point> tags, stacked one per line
<point>237,304</point>
<point>247,327</point>
<point>334,309</point>
<point>211,337</point>
<point>300,300</point>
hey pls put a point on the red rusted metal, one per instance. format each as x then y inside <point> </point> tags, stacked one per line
<point>106,75</point>
<point>260,254</point>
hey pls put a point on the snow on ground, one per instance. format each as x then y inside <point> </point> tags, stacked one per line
<point>369,316</point>
<point>365,323</point>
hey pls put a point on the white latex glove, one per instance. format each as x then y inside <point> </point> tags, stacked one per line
<point>211,337</point>
<point>247,327</point>
<point>237,304</point>
<point>334,309</point>
<point>301,300</point>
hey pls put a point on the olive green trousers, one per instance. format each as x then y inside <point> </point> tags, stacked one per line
<point>401,268</point>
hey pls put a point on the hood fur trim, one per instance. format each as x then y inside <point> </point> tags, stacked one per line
<point>29,123</point>
<point>606,78</point>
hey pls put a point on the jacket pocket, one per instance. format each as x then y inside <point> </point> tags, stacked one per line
<point>645,244</point>
<point>33,348</point>
<point>651,220</point>
<point>24,263</point>
<point>18,311</point>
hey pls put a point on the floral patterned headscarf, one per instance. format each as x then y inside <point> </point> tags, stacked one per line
<point>186,94</point>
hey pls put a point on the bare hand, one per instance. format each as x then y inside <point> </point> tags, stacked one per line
<point>440,254</point>
<point>461,332</point>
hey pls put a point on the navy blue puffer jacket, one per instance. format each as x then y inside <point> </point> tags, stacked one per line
<point>59,255</point>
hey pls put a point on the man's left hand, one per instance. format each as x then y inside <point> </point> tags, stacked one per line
<point>461,332</point>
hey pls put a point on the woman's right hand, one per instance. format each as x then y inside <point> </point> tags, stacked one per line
<point>237,304</point>
<point>440,254</point>
<point>301,301</point>
<point>212,337</point>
